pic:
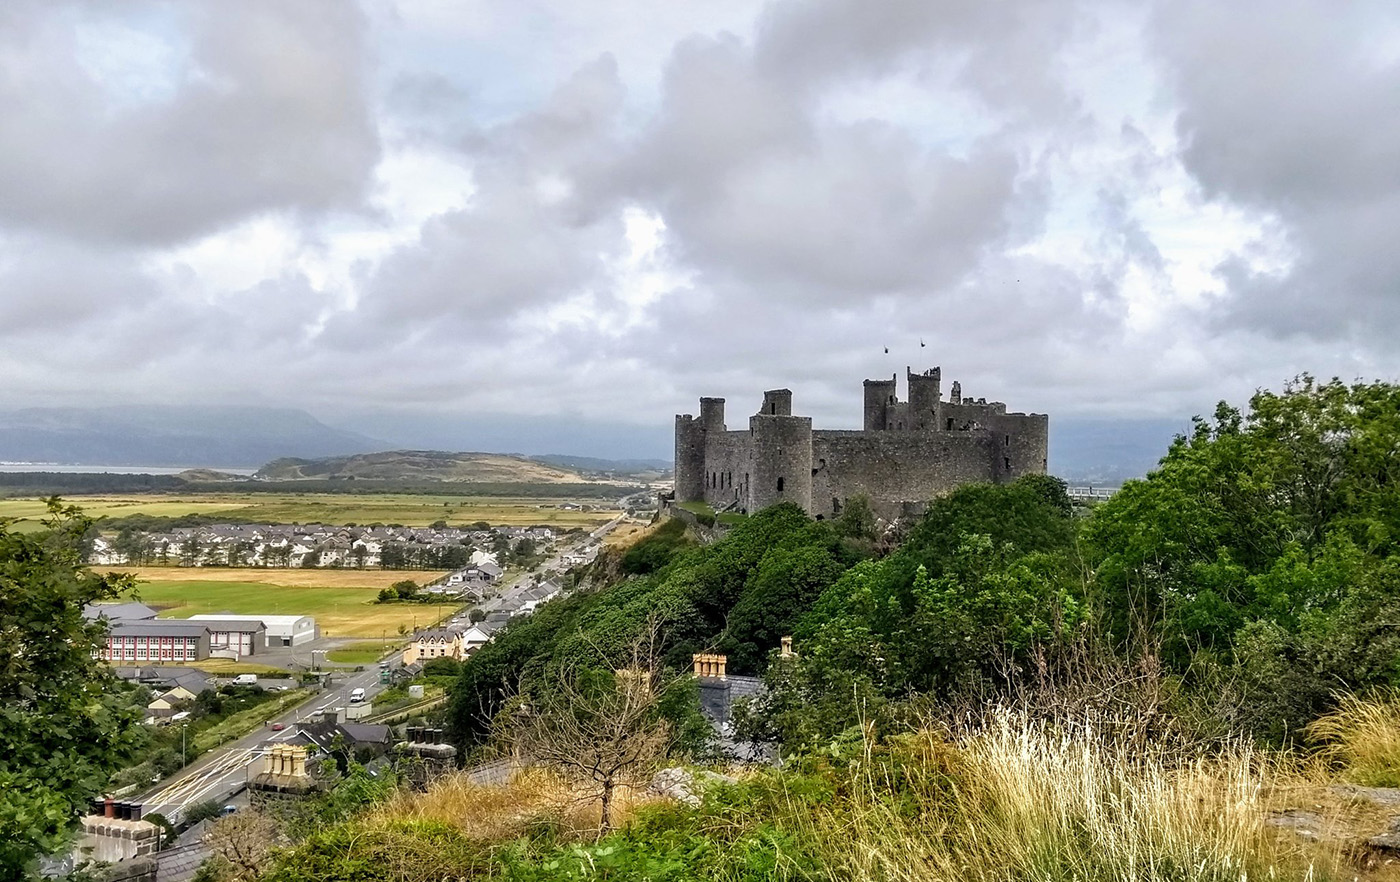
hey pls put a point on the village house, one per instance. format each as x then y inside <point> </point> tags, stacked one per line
<point>431,644</point>
<point>170,701</point>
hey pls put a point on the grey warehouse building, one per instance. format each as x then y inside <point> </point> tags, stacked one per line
<point>907,452</point>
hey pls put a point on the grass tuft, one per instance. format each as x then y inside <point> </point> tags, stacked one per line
<point>1025,800</point>
<point>1362,736</point>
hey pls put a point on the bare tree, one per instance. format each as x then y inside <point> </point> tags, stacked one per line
<point>245,841</point>
<point>599,728</point>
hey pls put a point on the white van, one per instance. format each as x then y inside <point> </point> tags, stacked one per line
<point>246,680</point>
<point>357,696</point>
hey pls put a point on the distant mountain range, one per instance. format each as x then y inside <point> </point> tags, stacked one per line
<point>169,435</point>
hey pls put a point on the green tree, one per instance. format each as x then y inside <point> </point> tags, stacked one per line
<point>65,725</point>
<point>782,588</point>
<point>133,545</point>
<point>1262,553</point>
<point>406,589</point>
<point>857,519</point>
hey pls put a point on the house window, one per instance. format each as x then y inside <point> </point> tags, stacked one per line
<point>780,485</point>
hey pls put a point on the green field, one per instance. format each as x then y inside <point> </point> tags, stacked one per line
<point>414,510</point>
<point>339,611</point>
<point>365,652</point>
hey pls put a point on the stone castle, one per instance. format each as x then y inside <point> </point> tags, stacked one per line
<point>907,453</point>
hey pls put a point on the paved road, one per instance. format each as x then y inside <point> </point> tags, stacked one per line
<point>223,771</point>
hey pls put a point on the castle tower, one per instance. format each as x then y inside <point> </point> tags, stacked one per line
<point>691,438</point>
<point>712,414</point>
<point>777,402</point>
<point>782,461</point>
<point>924,395</point>
<point>690,458</point>
<point>879,395</point>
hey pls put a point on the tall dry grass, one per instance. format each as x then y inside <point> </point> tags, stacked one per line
<point>1023,800</point>
<point>1362,736</point>
<point>496,813</point>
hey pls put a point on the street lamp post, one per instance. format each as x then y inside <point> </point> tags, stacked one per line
<point>183,726</point>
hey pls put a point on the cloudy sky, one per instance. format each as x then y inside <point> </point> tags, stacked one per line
<point>458,207</point>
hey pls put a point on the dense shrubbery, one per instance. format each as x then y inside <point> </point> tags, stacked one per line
<point>657,549</point>
<point>741,594</point>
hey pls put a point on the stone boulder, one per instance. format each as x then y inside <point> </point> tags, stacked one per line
<point>685,785</point>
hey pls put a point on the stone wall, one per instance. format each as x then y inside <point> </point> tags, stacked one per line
<point>728,469</point>
<point>891,468</point>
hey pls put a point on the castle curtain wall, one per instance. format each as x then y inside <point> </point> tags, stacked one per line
<point>892,468</point>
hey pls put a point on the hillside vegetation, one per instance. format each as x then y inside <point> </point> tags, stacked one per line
<point>420,465</point>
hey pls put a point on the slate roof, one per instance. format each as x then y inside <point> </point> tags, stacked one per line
<point>115,612</point>
<point>159,628</point>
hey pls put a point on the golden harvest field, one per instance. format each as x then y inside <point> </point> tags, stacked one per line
<point>342,601</point>
<point>409,509</point>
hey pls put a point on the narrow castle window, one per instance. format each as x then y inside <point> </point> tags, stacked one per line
<point>780,485</point>
<point>835,506</point>
<point>950,424</point>
<point>1008,440</point>
<point>1007,460</point>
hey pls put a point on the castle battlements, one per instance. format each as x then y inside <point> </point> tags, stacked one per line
<point>907,452</point>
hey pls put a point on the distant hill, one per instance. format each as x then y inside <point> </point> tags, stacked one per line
<point>638,468</point>
<point>420,465</point>
<point>169,435</point>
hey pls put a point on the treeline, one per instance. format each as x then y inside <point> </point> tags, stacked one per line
<point>65,484</point>
<point>1249,579</point>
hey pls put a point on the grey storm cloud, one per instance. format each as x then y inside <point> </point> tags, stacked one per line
<point>1296,114</point>
<point>1004,204</point>
<point>268,111</point>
